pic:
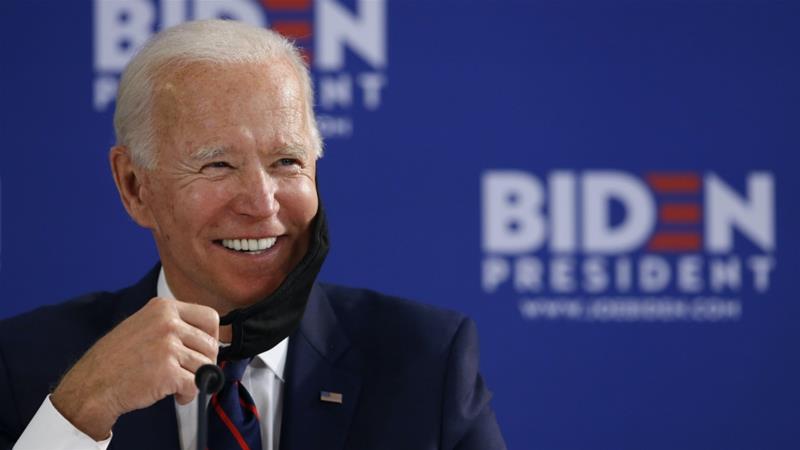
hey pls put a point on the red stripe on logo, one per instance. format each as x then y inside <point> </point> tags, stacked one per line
<point>295,29</point>
<point>283,5</point>
<point>679,213</point>
<point>674,242</point>
<point>674,183</point>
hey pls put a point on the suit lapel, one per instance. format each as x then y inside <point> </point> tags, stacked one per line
<point>320,359</point>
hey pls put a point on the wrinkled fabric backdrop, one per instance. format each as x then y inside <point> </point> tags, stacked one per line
<point>606,187</point>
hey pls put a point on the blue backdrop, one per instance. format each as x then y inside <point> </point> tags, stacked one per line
<point>606,187</point>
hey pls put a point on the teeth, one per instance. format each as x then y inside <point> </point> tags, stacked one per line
<point>249,245</point>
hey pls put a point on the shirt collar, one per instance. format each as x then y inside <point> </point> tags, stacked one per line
<point>274,358</point>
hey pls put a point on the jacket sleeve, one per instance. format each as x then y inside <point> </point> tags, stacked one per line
<point>468,421</point>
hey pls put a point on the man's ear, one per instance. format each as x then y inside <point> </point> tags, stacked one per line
<point>129,179</point>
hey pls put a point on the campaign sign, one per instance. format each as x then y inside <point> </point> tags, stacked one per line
<point>668,255</point>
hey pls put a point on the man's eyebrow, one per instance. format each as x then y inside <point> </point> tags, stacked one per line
<point>208,153</point>
<point>296,151</point>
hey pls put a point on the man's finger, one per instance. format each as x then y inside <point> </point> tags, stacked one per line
<point>199,341</point>
<point>191,360</point>
<point>201,317</point>
<point>186,389</point>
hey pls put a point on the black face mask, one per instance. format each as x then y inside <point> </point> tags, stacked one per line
<point>259,327</point>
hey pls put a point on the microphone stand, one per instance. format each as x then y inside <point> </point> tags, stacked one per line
<point>209,380</point>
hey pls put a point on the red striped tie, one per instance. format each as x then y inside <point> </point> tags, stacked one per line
<point>233,417</point>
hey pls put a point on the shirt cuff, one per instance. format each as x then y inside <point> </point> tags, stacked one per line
<point>49,429</point>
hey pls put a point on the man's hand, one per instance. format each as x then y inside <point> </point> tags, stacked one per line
<point>152,354</point>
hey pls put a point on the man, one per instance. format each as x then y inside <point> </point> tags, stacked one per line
<point>216,155</point>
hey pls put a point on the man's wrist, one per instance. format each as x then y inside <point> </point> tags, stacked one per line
<point>86,413</point>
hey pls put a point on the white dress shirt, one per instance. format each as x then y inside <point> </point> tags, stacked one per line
<point>263,378</point>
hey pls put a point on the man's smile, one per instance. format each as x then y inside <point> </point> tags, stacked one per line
<point>248,245</point>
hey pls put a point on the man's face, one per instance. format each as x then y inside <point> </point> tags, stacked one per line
<point>235,170</point>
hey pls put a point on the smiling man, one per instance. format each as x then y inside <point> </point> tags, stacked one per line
<point>216,155</point>
<point>232,194</point>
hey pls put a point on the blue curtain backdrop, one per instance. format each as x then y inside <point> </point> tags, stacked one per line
<point>606,187</point>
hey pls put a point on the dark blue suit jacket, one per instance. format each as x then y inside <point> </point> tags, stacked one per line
<point>408,373</point>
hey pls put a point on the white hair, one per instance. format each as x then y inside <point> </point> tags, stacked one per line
<point>214,41</point>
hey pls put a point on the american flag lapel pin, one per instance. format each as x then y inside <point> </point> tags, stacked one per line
<point>330,397</point>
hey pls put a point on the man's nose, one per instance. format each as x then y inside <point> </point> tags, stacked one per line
<point>257,194</point>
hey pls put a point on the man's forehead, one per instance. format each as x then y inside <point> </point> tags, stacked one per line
<point>185,77</point>
<point>196,91</point>
<point>239,98</point>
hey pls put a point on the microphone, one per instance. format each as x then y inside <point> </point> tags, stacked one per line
<point>209,380</point>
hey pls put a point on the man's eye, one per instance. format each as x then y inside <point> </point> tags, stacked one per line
<point>217,165</point>
<point>288,161</point>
